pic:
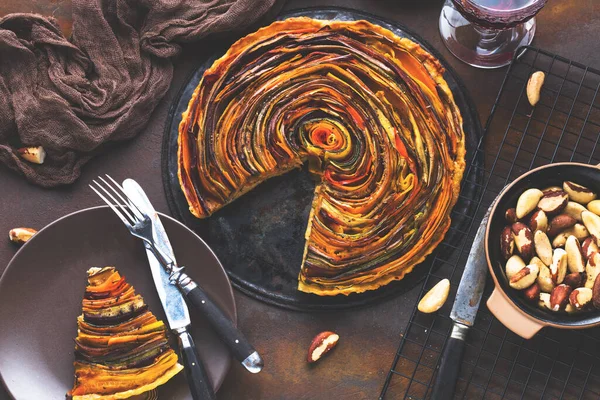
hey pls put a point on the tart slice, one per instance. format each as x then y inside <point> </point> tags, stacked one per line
<point>121,349</point>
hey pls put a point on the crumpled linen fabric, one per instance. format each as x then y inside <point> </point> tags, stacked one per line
<point>73,96</point>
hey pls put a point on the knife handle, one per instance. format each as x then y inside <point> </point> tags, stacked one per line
<point>198,381</point>
<point>445,381</point>
<point>241,349</point>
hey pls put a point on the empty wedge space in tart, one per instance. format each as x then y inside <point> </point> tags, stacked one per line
<point>371,114</point>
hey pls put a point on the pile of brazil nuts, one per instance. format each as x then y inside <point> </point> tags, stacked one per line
<point>551,247</point>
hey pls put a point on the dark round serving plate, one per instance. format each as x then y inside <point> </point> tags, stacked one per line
<point>259,238</point>
<point>43,286</point>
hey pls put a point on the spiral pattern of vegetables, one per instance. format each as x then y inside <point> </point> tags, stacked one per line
<point>371,114</point>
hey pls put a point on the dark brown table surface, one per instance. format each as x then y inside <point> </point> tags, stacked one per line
<point>369,336</point>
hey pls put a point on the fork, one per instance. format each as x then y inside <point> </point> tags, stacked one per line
<point>137,223</point>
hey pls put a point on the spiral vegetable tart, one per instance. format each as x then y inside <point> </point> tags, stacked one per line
<point>371,114</point>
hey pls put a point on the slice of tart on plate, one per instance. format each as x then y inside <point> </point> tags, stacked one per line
<point>121,349</point>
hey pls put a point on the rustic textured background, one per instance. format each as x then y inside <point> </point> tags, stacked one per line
<point>369,336</point>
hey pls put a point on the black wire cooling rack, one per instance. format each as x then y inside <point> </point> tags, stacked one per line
<point>554,364</point>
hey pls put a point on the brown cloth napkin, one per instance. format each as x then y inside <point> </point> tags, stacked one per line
<point>73,95</point>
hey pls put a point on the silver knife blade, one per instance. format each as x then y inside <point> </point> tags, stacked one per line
<point>472,283</point>
<point>173,303</point>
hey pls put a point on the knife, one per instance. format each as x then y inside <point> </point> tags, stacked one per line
<point>464,310</point>
<point>178,318</point>
<point>240,347</point>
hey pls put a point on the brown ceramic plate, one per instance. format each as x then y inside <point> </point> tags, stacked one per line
<point>42,288</point>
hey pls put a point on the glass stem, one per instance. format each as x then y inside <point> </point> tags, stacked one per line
<point>488,37</point>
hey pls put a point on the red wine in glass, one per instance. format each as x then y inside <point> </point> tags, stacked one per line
<point>498,14</point>
<point>487,33</point>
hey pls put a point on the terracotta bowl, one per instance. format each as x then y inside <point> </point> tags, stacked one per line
<point>507,304</point>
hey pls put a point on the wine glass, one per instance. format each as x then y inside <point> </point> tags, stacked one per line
<point>486,33</point>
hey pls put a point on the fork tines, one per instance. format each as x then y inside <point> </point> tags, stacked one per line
<point>129,213</point>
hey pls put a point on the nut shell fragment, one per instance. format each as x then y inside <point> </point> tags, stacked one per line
<point>21,235</point>
<point>553,202</point>
<point>580,297</point>
<point>532,293</point>
<point>507,243</point>
<point>560,297</point>
<point>544,279</point>
<point>588,247</point>
<point>592,223</point>
<point>569,309</point>
<point>525,277</point>
<point>511,215</point>
<point>578,193</point>
<point>543,248</point>
<point>596,293</point>
<point>550,189</point>
<point>534,87</point>
<point>523,240</point>
<point>575,260</point>
<point>435,298</point>
<point>558,268</point>
<point>579,231</point>
<point>36,154</point>
<point>536,260</point>
<point>574,210</point>
<point>592,270</point>
<point>560,223</point>
<point>514,265</point>
<point>539,221</point>
<point>321,345</point>
<point>575,279</point>
<point>560,240</point>
<point>528,201</point>
<point>594,206</point>
<point>545,300</point>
